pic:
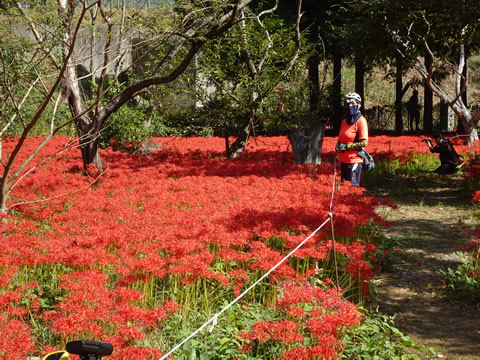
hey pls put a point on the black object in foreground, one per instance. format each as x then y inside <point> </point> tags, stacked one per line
<point>89,350</point>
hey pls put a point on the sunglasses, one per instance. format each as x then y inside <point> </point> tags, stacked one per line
<point>351,101</point>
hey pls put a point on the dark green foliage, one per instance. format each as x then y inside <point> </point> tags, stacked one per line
<point>223,342</point>
<point>187,123</point>
<point>231,91</point>
<point>389,253</point>
<point>463,283</point>
<point>378,338</point>
<point>22,72</point>
<point>6,4</point>
<point>125,130</point>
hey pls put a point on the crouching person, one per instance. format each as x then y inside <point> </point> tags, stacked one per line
<point>449,158</point>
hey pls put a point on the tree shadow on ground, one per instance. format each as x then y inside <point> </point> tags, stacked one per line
<point>433,222</point>
<point>426,189</point>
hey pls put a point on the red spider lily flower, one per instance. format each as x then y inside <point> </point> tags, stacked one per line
<point>296,312</point>
<point>284,331</point>
<point>15,341</point>
<point>137,353</point>
<point>189,214</point>
<point>476,196</point>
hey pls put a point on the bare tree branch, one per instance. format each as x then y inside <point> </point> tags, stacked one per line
<point>60,195</point>
<point>6,181</point>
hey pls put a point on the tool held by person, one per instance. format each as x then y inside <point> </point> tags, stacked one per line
<point>86,349</point>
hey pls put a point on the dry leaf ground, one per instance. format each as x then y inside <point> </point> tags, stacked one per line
<point>432,223</point>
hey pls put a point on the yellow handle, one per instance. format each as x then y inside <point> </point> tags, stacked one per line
<point>57,355</point>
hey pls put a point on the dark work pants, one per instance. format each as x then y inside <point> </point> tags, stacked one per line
<point>351,172</point>
<point>446,169</point>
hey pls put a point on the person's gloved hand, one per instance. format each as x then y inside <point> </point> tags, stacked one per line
<point>341,147</point>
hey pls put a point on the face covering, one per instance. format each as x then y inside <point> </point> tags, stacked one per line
<point>353,113</point>
<point>352,110</point>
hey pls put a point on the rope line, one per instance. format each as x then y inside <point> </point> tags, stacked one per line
<point>214,319</point>
<point>330,213</point>
<point>458,136</point>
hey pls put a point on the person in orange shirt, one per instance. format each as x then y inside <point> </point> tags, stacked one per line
<point>352,137</point>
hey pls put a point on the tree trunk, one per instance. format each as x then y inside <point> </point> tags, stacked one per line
<point>398,96</point>
<point>88,135</point>
<point>463,83</point>
<point>307,143</point>
<point>360,80</point>
<point>89,149</point>
<point>239,145</point>
<point>469,122</point>
<point>314,82</point>
<point>337,105</point>
<point>93,15</point>
<point>464,115</point>
<point>427,100</point>
<point>313,76</point>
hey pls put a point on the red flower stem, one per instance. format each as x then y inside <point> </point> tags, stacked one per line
<point>214,318</point>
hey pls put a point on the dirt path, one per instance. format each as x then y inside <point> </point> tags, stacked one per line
<point>430,222</point>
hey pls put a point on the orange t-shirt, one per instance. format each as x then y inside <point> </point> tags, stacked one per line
<point>347,135</point>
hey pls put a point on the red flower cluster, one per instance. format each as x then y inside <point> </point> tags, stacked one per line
<point>15,342</point>
<point>181,215</point>
<point>473,177</point>
<point>93,310</point>
<point>315,313</point>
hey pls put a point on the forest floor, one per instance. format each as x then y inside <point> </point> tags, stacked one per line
<point>432,221</point>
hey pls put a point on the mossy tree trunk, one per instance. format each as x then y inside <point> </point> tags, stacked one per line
<point>307,143</point>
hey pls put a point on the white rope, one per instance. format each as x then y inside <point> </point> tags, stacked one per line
<point>215,317</point>
<point>334,183</point>
<point>458,136</point>
<point>330,213</point>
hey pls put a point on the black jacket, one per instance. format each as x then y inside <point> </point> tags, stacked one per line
<point>448,155</point>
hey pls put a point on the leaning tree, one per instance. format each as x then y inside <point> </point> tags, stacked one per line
<point>47,57</point>
<point>434,34</point>
<point>169,45</point>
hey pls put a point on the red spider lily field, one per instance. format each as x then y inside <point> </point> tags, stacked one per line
<point>144,253</point>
